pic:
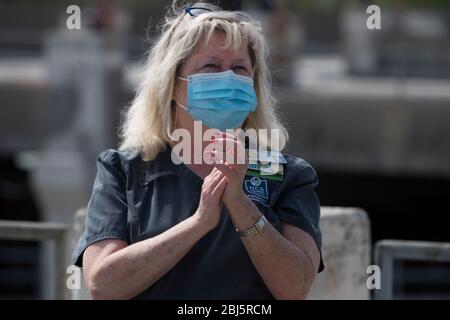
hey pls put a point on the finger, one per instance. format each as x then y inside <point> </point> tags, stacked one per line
<point>209,178</point>
<point>229,140</point>
<point>226,169</point>
<point>214,181</point>
<point>236,139</point>
<point>213,171</point>
<point>223,144</point>
<point>238,166</point>
<point>219,133</point>
<point>212,174</point>
<point>238,156</point>
<point>228,135</point>
<point>219,188</point>
<point>238,136</point>
<point>233,151</point>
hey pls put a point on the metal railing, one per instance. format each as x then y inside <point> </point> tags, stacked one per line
<point>40,231</point>
<point>387,251</point>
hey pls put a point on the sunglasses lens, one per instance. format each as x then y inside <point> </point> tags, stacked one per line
<point>197,11</point>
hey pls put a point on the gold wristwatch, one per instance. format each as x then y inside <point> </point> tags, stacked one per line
<point>257,227</point>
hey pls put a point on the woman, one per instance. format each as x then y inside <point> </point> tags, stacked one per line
<point>158,230</point>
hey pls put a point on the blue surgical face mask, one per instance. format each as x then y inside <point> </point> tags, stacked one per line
<point>220,100</point>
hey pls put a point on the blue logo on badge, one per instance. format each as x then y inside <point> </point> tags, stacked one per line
<point>257,189</point>
<point>255,181</point>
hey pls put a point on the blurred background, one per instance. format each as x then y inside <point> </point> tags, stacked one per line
<point>369,109</point>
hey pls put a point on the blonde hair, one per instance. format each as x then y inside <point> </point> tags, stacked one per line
<point>148,123</point>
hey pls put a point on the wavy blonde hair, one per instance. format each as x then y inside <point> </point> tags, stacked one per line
<point>147,124</point>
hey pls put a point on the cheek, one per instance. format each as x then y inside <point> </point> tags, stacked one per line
<point>181,93</point>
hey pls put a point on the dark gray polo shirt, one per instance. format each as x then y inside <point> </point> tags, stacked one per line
<point>133,200</point>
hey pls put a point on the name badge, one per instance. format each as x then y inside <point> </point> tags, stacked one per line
<point>266,165</point>
<point>265,156</point>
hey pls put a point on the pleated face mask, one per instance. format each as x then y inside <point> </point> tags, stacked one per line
<point>221,100</point>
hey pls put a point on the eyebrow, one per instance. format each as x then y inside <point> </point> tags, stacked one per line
<point>217,58</point>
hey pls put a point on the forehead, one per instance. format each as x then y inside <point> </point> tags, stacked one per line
<point>217,46</point>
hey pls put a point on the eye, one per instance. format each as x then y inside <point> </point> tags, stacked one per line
<point>210,65</point>
<point>240,69</point>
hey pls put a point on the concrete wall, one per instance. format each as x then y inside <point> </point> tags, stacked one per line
<point>346,249</point>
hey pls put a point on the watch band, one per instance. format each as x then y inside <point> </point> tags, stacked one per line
<point>255,229</point>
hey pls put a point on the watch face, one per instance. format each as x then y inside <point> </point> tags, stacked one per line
<point>255,229</point>
<point>261,222</point>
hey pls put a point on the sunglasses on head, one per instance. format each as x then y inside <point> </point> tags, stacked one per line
<point>196,11</point>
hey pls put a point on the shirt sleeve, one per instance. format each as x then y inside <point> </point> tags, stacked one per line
<point>299,205</point>
<point>106,212</point>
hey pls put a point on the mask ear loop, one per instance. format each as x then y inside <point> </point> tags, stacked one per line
<point>181,106</point>
<point>175,100</point>
<point>176,111</point>
<point>177,103</point>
